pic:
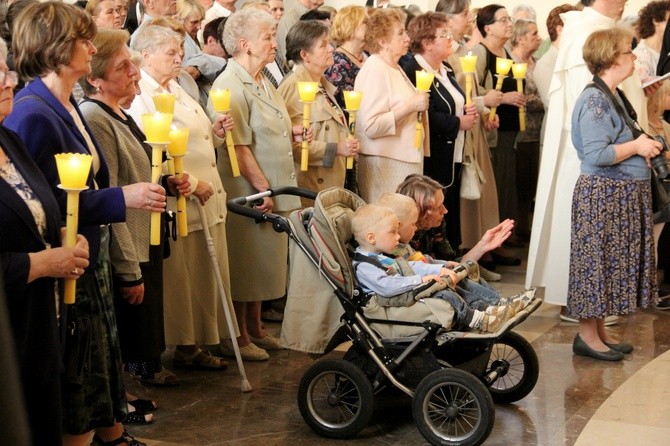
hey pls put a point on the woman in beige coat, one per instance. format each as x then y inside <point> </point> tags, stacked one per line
<point>263,137</point>
<point>308,45</point>
<point>192,308</point>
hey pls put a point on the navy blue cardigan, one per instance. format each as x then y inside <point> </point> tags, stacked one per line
<point>46,128</point>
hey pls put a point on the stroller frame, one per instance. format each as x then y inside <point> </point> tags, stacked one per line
<point>473,378</point>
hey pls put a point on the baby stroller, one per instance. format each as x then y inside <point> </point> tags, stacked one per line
<point>452,377</point>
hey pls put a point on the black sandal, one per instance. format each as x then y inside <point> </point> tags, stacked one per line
<point>139,418</point>
<point>143,405</point>
<point>124,438</point>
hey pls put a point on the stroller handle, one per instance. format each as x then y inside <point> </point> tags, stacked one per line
<point>240,205</point>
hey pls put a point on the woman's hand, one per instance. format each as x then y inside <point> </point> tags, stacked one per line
<point>430,277</point>
<point>492,239</point>
<point>223,123</point>
<point>146,196</point>
<point>418,102</point>
<point>647,147</point>
<point>297,134</point>
<point>203,192</point>
<point>179,187</point>
<point>348,147</point>
<point>469,119</point>
<point>133,294</point>
<point>67,263</point>
<point>514,98</point>
<point>493,98</point>
<point>491,125</point>
<point>266,206</point>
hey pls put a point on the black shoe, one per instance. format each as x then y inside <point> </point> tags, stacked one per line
<point>488,264</point>
<point>505,260</point>
<point>622,347</point>
<point>580,348</point>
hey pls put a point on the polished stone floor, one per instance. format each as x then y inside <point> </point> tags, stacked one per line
<point>577,400</point>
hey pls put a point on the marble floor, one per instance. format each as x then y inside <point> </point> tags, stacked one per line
<point>577,400</point>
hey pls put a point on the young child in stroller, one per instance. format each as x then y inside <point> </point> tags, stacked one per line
<point>477,294</point>
<point>403,282</point>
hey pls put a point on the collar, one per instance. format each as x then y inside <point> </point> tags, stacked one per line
<point>442,72</point>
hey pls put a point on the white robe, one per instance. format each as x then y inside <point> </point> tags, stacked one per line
<point>549,249</point>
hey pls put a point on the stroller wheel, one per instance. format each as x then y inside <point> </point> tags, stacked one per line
<point>335,398</point>
<point>452,407</point>
<point>522,365</point>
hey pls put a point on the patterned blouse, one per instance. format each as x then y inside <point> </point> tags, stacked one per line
<point>342,75</point>
<point>23,190</point>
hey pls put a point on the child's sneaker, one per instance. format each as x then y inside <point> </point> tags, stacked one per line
<point>492,322</point>
<point>500,309</point>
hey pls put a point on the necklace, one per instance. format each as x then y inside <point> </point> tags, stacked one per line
<point>353,57</point>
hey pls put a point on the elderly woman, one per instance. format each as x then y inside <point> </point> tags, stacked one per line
<point>525,41</point>
<point>263,138</point>
<point>308,45</point>
<point>190,14</point>
<point>651,24</point>
<point>105,13</point>
<point>495,25</point>
<point>49,122</point>
<point>612,264</point>
<point>137,266</point>
<point>31,260</point>
<point>386,121</point>
<point>192,308</point>
<point>429,197</point>
<point>449,118</point>
<point>122,9</point>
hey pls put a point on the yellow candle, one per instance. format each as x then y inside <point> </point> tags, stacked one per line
<point>502,68</point>
<point>164,102</point>
<point>156,162</point>
<point>424,80</point>
<point>352,100</point>
<point>177,150</point>
<point>519,70</point>
<point>503,65</point>
<point>178,138</point>
<point>307,92</point>
<point>220,99</point>
<point>157,127</point>
<point>468,63</point>
<point>73,170</point>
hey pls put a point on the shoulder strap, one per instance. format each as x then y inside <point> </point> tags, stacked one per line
<point>627,112</point>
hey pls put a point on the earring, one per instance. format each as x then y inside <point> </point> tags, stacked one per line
<point>248,52</point>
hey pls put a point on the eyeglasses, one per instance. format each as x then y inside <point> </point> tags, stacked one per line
<point>12,76</point>
<point>445,35</point>
<point>506,19</point>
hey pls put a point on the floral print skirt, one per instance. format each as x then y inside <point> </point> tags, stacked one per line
<point>612,260</point>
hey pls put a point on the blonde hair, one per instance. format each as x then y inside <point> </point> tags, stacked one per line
<point>108,42</point>
<point>346,21</point>
<point>602,48</point>
<point>367,218</point>
<point>186,8</point>
<point>401,205</point>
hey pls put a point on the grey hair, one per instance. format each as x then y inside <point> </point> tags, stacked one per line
<point>246,23</point>
<point>452,7</point>
<point>3,49</point>
<point>519,29</point>
<point>150,37</point>
<point>302,36</point>
<point>525,8</point>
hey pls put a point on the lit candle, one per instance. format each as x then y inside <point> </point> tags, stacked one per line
<point>423,82</point>
<point>157,130</point>
<point>502,69</point>
<point>468,66</point>
<point>519,72</point>
<point>177,150</point>
<point>73,171</point>
<point>164,102</point>
<point>157,127</point>
<point>307,92</point>
<point>221,101</point>
<point>352,102</point>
